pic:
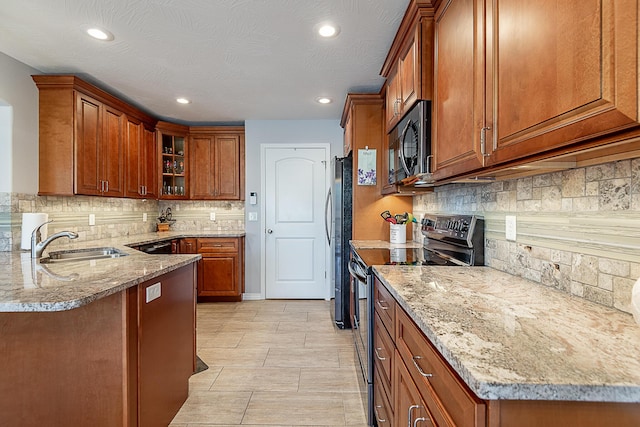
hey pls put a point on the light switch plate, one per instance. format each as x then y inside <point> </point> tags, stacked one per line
<point>144,217</point>
<point>253,216</point>
<point>153,292</point>
<point>92,219</point>
<point>510,227</point>
<point>212,216</point>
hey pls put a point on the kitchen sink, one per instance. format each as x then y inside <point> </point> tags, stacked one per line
<point>83,255</point>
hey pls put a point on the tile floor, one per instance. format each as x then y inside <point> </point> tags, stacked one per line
<point>273,362</point>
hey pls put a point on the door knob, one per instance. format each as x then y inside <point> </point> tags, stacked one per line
<point>269,230</point>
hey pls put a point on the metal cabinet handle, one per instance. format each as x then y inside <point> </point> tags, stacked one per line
<point>384,307</point>
<point>415,363</point>
<point>107,185</point>
<point>415,422</point>
<point>483,141</point>
<point>375,411</point>
<point>396,108</point>
<point>411,408</point>
<point>378,354</point>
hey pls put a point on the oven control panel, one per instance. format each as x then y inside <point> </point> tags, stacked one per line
<point>458,228</point>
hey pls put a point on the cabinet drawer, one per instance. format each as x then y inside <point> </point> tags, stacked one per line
<point>217,244</point>
<point>383,350</point>
<point>382,409</point>
<point>384,305</point>
<point>446,396</point>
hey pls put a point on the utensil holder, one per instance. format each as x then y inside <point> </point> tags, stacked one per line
<point>398,233</point>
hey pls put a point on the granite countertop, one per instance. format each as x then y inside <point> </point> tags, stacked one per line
<point>510,338</point>
<point>31,286</point>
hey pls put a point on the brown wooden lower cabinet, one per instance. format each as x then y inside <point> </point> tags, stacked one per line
<point>117,361</point>
<point>221,269</point>
<point>427,391</point>
<point>410,408</point>
<point>382,409</point>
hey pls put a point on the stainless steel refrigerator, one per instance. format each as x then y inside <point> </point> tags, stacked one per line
<point>341,201</point>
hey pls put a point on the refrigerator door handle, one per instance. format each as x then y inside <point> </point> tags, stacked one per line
<point>327,219</point>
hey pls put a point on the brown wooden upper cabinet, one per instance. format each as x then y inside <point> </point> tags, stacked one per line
<point>83,136</point>
<point>408,67</point>
<point>173,157</point>
<point>515,80</point>
<point>216,163</point>
<point>141,179</point>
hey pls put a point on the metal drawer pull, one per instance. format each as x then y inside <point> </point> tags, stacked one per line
<point>413,359</point>
<point>415,422</point>
<point>378,354</point>
<point>375,411</point>
<point>411,408</point>
<point>384,307</point>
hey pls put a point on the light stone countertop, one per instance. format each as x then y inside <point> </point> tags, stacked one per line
<point>30,286</point>
<point>510,338</point>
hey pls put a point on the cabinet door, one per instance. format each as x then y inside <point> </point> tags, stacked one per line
<point>459,88</point>
<point>202,166</point>
<point>410,410</point>
<point>562,72</point>
<point>112,152</point>
<point>187,246</point>
<point>409,77</point>
<point>149,163</point>
<point>218,275</point>
<point>134,164</point>
<point>348,133</point>
<point>393,104</point>
<point>88,139</point>
<point>216,167</point>
<point>227,161</point>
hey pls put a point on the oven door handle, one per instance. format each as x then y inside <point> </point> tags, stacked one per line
<point>451,259</point>
<point>352,270</point>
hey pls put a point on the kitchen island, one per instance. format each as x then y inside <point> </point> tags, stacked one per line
<point>98,342</point>
<point>528,354</point>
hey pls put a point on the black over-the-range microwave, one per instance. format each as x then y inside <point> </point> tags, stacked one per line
<point>410,146</point>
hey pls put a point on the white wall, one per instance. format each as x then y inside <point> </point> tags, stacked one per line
<point>19,146</point>
<point>258,132</point>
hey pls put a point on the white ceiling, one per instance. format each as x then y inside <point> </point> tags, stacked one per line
<point>235,59</point>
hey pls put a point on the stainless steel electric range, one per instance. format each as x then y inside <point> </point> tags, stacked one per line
<point>449,240</point>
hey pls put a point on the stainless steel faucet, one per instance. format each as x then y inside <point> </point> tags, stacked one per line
<point>37,247</point>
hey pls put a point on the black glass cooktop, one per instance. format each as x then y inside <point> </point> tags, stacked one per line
<point>401,256</point>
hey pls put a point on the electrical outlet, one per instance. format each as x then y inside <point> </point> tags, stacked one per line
<point>144,217</point>
<point>212,216</point>
<point>510,227</point>
<point>253,216</point>
<point>92,219</point>
<point>153,292</point>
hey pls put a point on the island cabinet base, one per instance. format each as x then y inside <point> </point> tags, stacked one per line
<point>425,390</point>
<point>533,413</point>
<point>83,367</point>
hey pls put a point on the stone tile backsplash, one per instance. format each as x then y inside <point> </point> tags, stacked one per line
<point>113,216</point>
<point>578,230</point>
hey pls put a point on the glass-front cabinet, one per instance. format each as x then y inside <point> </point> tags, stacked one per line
<point>172,140</point>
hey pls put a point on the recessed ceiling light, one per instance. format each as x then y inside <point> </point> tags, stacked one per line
<point>100,34</point>
<point>183,101</point>
<point>328,30</point>
<point>324,100</point>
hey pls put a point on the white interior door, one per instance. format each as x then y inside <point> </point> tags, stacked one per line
<point>295,242</point>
